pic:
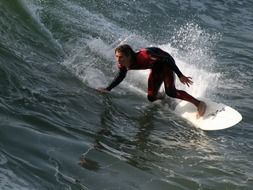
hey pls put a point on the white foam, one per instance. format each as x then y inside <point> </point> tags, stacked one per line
<point>203,80</point>
<point>94,78</point>
<point>99,47</point>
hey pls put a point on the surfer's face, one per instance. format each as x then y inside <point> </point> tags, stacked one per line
<point>122,59</point>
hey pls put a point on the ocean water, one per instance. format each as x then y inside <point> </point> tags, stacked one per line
<point>57,132</point>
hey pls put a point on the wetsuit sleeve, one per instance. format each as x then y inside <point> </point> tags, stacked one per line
<point>165,57</point>
<point>173,66</point>
<point>117,79</point>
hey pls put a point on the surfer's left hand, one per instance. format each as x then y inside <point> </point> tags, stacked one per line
<point>186,80</point>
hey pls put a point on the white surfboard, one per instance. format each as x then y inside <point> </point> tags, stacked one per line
<point>217,116</point>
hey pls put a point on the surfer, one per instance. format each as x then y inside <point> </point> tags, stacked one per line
<point>162,67</point>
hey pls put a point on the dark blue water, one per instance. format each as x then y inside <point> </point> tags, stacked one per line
<point>57,132</point>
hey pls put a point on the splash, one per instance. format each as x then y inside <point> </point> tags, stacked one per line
<point>194,56</point>
<point>191,48</point>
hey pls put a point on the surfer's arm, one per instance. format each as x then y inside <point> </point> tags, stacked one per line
<point>117,79</point>
<point>172,64</point>
<point>174,68</point>
<point>160,55</point>
<point>183,79</point>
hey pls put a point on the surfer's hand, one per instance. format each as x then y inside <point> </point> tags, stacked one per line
<point>186,80</point>
<point>103,90</point>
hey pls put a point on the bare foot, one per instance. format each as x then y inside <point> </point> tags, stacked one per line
<point>201,109</point>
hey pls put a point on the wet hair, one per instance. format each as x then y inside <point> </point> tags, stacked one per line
<point>126,50</point>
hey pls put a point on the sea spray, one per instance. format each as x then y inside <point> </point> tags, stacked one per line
<point>190,46</point>
<point>192,52</point>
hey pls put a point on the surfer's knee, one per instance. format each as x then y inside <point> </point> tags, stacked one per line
<point>171,93</point>
<point>151,98</point>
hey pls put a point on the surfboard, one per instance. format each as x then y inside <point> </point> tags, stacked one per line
<point>217,116</point>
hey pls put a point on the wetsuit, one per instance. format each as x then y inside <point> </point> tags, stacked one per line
<point>162,67</point>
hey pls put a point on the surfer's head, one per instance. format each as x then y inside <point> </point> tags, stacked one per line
<point>125,55</point>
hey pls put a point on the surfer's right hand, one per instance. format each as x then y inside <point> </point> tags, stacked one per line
<point>186,80</point>
<point>102,90</point>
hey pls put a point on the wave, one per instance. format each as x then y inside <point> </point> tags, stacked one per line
<point>95,62</point>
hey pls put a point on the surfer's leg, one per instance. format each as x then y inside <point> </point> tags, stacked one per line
<point>201,106</point>
<point>170,89</point>
<point>155,80</point>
